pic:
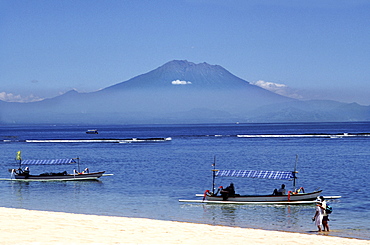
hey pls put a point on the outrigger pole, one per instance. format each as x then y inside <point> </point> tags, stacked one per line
<point>78,164</point>
<point>294,173</point>
<point>213,174</point>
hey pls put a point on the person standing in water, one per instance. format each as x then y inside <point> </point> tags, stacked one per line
<point>325,217</point>
<point>318,215</point>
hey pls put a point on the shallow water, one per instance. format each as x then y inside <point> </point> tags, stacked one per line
<point>149,178</point>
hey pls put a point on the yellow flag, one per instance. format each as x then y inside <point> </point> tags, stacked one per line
<point>18,157</point>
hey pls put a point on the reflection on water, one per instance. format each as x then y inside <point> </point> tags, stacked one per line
<point>294,218</point>
<point>21,191</point>
<point>276,217</point>
<point>53,194</point>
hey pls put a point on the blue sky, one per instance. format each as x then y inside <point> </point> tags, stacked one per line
<point>314,49</point>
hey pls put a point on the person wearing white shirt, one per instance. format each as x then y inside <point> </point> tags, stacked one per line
<point>319,213</point>
<point>325,217</point>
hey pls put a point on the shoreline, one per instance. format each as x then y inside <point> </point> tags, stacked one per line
<point>21,226</point>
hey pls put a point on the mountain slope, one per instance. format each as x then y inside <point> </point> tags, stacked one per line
<point>312,111</point>
<point>196,76</point>
<point>180,86</point>
<point>179,92</point>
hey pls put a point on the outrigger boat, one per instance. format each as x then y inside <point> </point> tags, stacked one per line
<point>24,174</point>
<point>297,196</point>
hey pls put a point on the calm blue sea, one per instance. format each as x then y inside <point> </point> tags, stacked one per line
<point>150,177</point>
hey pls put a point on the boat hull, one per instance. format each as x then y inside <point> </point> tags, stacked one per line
<point>252,203</point>
<point>268,198</point>
<point>66,177</point>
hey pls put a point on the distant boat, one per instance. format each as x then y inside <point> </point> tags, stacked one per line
<point>24,174</point>
<point>92,131</point>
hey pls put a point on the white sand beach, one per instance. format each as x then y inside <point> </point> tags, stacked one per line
<point>20,226</point>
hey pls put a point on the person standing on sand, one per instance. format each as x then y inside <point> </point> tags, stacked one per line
<point>318,215</point>
<point>325,217</point>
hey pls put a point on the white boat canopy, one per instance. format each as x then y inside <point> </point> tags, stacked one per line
<point>262,174</point>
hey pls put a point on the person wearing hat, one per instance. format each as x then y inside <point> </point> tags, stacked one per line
<point>318,214</point>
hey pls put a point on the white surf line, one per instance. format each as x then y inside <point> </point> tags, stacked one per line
<point>99,140</point>
<point>300,135</point>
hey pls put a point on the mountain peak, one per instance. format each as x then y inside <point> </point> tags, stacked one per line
<point>183,72</point>
<point>179,63</point>
<point>184,65</point>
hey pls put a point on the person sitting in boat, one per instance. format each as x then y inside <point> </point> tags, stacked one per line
<point>25,172</point>
<point>280,192</point>
<point>18,171</point>
<point>228,192</point>
<point>86,171</point>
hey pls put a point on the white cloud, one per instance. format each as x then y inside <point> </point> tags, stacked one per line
<point>9,97</point>
<point>178,82</point>
<point>269,85</point>
<point>278,88</point>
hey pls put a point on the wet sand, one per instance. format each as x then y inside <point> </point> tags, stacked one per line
<point>20,226</point>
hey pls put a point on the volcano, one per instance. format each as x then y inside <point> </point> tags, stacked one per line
<point>176,92</point>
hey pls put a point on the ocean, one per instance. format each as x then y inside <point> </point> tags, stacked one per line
<point>150,177</point>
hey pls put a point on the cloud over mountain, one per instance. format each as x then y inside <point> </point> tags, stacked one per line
<point>180,92</point>
<point>10,97</point>
<point>178,82</point>
<point>279,88</point>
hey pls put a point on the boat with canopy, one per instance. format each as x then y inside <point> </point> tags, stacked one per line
<point>24,173</point>
<point>228,195</point>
